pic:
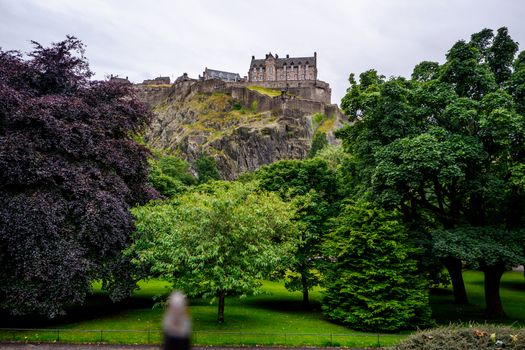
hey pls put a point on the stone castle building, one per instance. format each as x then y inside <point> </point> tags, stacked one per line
<point>157,81</point>
<point>218,74</point>
<point>274,68</point>
<point>295,77</point>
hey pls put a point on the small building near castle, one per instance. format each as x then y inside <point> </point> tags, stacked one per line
<point>221,75</point>
<point>117,79</point>
<point>275,68</point>
<point>157,81</point>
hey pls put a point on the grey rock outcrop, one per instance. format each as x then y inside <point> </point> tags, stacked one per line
<point>241,128</point>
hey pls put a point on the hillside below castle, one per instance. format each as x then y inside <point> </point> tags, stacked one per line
<point>242,124</point>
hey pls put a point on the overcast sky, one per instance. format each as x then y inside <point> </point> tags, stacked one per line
<point>144,39</point>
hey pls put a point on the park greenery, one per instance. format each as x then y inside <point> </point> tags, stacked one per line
<point>275,317</point>
<point>373,283</point>
<point>447,150</point>
<point>219,239</point>
<point>430,178</point>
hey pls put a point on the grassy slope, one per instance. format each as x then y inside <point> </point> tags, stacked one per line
<point>275,314</point>
<point>265,91</point>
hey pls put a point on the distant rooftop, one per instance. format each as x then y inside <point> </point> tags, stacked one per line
<point>285,61</point>
<point>218,74</point>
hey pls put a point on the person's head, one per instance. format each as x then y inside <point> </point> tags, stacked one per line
<point>177,302</point>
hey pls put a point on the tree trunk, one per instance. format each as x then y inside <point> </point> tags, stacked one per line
<point>493,306</point>
<point>306,299</point>
<point>454,268</point>
<point>220,319</point>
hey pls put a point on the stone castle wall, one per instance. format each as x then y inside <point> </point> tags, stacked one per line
<point>315,90</point>
<point>282,105</point>
<point>152,95</point>
<point>312,97</point>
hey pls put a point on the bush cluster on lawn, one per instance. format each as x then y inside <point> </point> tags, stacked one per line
<point>459,337</point>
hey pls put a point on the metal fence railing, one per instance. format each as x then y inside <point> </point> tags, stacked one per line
<point>154,336</point>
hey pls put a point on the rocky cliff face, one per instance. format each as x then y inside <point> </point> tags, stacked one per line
<point>241,128</point>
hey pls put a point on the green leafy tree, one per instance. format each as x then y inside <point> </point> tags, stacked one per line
<point>217,240</point>
<point>312,187</point>
<point>206,168</point>
<point>372,282</point>
<point>490,249</point>
<point>448,152</point>
<point>482,41</point>
<point>425,71</point>
<point>169,174</point>
<point>501,55</point>
<point>465,73</point>
<point>516,84</point>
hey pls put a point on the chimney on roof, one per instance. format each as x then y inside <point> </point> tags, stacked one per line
<point>287,56</point>
<point>276,56</point>
<point>315,54</point>
<point>253,57</point>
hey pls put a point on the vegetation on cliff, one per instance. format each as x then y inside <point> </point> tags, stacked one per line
<point>240,136</point>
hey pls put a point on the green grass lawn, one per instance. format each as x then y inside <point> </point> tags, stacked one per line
<point>273,318</point>
<point>512,295</point>
<point>265,91</point>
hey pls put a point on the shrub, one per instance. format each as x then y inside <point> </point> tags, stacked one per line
<point>255,105</point>
<point>237,105</point>
<point>459,337</point>
<point>318,118</point>
<point>319,141</point>
<point>206,167</point>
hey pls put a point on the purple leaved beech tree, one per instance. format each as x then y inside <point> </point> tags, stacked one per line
<point>69,173</point>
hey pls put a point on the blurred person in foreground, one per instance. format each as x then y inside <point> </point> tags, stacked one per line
<point>177,323</point>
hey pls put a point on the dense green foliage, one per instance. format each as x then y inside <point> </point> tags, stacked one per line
<point>372,282</point>
<point>169,174</point>
<point>69,174</point>
<point>206,168</point>
<point>319,141</point>
<point>447,150</point>
<point>312,187</point>
<point>214,241</point>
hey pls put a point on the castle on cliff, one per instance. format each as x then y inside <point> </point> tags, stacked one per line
<point>297,76</point>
